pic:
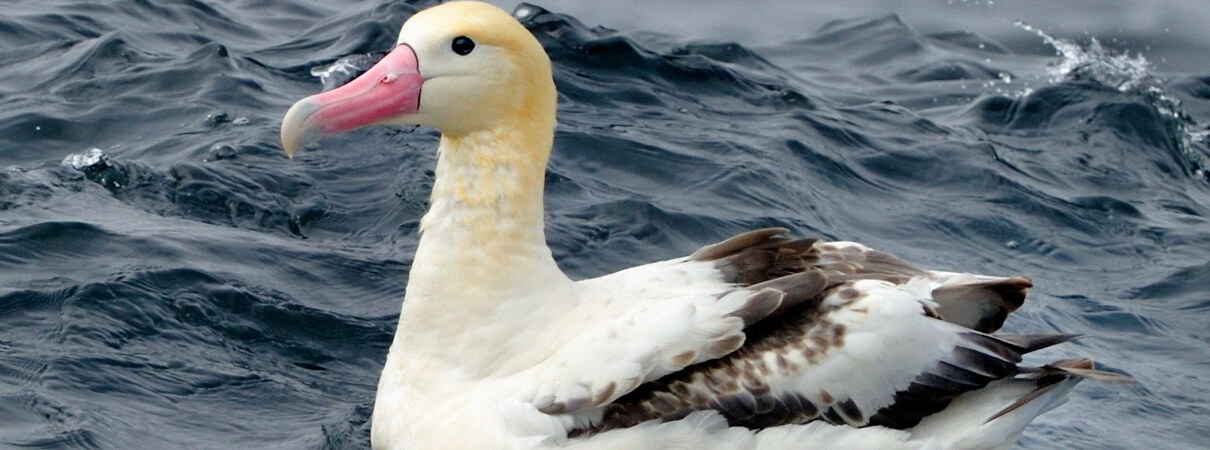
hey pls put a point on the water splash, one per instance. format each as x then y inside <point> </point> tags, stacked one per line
<point>1120,71</point>
<point>92,159</point>
<point>97,167</point>
<point>344,70</point>
<point>1128,74</point>
<point>1002,84</point>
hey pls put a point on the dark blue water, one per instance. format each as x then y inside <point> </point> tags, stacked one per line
<point>193,288</point>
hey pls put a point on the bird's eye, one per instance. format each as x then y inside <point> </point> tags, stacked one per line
<point>462,45</point>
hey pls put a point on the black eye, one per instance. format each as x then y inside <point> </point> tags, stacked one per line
<point>462,45</point>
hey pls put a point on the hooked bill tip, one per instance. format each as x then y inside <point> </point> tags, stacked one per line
<point>296,130</point>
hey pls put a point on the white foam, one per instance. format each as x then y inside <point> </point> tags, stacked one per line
<point>343,70</point>
<point>88,158</point>
<point>1128,74</point>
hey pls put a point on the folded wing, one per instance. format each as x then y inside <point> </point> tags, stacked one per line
<point>771,331</point>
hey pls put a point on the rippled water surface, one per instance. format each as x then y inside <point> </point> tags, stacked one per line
<point>185,285</point>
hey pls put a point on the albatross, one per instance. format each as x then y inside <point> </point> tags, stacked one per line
<point>759,341</point>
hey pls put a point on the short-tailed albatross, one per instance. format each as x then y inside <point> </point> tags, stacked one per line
<point>758,341</point>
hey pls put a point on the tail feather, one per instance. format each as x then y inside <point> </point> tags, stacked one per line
<point>1045,385</point>
<point>1078,367</point>
<point>1032,342</point>
<point>1048,376</point>
<point>995,416</point>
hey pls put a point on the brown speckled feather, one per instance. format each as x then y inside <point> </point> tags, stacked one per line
<point>815,282</point>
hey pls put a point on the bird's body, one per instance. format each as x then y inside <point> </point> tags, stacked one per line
<point>757,341</point>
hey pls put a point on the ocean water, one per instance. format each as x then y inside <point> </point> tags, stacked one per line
<point>168,279</point>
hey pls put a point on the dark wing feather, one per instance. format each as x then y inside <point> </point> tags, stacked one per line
<point>765,258</point>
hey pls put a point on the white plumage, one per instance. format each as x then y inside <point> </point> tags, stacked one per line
<point>759,341</point>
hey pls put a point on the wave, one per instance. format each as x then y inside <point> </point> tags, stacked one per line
<point>185,277</point>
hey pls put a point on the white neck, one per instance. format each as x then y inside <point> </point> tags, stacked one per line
<point>483,252</point>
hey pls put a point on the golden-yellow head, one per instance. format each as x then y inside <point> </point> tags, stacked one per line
<point>460,67</point>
